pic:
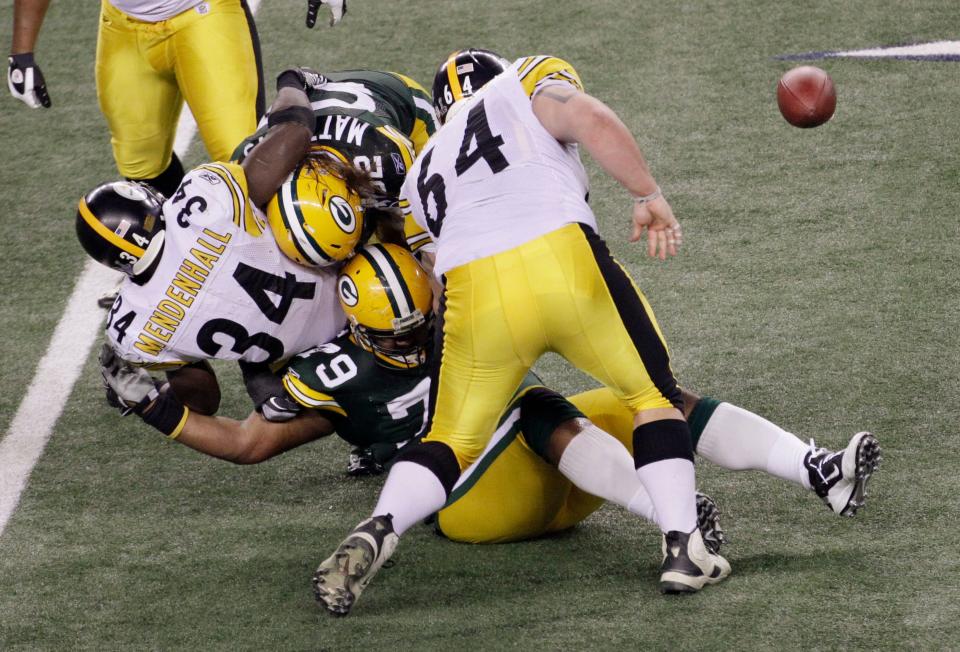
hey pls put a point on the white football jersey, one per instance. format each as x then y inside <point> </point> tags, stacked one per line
<point>153,11</point>
<point>222,288</point>
<point>492,178</point>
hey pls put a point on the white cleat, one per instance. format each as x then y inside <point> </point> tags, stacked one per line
<point>687,564</point>
<point>840,478</point>
<point>341,577</point>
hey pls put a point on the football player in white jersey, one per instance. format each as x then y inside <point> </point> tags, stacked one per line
<point>230,267</point>
<point>502,192</point>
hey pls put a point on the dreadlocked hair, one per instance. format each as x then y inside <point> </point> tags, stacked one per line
<point>357,180</point>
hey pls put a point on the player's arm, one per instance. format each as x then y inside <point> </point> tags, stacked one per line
<point>133,390</point>
<point>291,123</point>
<point>24,78</point>
<point>254,439</point>
<point>572,116</point>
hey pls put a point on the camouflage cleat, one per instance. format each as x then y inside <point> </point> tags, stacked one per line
<point>341,578</point>
<point>840,478</point>
<point>688,565</point>
<point>708,522</point>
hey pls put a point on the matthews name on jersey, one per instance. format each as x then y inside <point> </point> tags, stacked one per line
<point>221,288</point>
<point>376,120</point>
<point>517,181</point>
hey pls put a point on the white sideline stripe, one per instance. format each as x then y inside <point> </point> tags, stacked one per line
<point>47,394</point>
<point>60,366</point>
<point>921,49</point>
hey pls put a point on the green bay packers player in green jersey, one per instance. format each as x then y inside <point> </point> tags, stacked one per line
<point>378,121</point>
<point>370,386</point>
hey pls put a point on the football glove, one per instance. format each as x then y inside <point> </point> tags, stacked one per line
<point>363,462</point>
<point>265,389</point>
<point>302,78</point>
<point>279,409</point>
<point>130,389</point>
<point>26,82</point>
<point>337,9</point>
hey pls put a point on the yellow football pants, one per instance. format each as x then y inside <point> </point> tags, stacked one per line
<point>206,56</point>
<point>520,496</point>
<point>561,292</point>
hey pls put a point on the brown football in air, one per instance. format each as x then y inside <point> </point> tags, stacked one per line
<point>806,96</point>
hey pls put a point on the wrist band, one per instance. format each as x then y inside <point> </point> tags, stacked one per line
<point>645,199</point>
<point>167,414</point>
<point>298,114</point>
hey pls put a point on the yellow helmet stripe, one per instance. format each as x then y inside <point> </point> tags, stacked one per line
<point>107,234</point>
<point>453,79</point>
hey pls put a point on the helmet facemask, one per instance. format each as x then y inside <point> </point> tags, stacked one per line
<point>403,347</point>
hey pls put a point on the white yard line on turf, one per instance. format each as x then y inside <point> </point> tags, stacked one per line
<point>60,366</point>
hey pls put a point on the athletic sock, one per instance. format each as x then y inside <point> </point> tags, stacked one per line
<point>599,464</point>
<point>411,493</point>
<point>738,440</point>
<point>671,485</point>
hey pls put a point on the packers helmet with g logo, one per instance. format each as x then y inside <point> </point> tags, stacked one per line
<point>387,298</point>
<point>315,217</point>
<point>463,74</point>
<point>120,224</point>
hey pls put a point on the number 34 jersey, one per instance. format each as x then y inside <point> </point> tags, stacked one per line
<point>493,178</point>
<point>221,287</point>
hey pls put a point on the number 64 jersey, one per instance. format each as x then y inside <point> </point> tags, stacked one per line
<point>221,287</point>
<point>493,178</point>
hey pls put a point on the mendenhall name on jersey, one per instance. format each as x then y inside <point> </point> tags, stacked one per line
<point>493,178</point>
<point>221,288</point>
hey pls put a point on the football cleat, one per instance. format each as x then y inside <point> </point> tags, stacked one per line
<point>341,577</point>
<point>688,565</point>
<point>840,478</point>
<point>708,522</point>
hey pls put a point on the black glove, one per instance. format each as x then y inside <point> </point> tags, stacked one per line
<point>26,82</point>
<point>265,389</point>
<point>303,78</point>
<point>337,9</point>
<point>363,462</point>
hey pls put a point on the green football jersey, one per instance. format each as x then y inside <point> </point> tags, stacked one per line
<point>368,404</point>
<point>376,120</point>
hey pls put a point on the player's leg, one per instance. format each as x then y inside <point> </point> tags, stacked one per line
<point>217,64</point>
<point>139,98</point>
<point>611,333</point>
<point>737,439</point>
<point>478,363</point>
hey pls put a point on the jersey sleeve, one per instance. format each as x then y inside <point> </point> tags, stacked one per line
<point>425,118</point>
<point>418,240</point>
<point>212,193</point>
<point>537,73</point>
<point>304,392</point>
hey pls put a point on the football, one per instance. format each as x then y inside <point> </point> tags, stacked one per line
<point>806,96</point>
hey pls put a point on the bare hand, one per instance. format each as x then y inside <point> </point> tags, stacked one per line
<point>664,235</point>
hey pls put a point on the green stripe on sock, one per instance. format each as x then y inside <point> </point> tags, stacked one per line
<point>699,417</point>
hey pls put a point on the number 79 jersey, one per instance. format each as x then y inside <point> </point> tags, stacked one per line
<point>493,178</point>
<point>221,288</point>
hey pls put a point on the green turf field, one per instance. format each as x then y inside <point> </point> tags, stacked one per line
<point>819,285</point>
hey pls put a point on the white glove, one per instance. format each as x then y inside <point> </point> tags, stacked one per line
<point>129,388</point>
<point>337,9</point>
<point>25,81</point>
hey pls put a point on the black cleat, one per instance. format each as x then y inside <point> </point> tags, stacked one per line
<point>840,478</point>
<point>687,564</point>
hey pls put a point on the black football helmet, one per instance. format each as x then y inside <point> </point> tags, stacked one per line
<point>463,74</point>
<point>120,224</point>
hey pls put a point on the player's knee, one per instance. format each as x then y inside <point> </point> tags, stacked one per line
<point>690,400</point>
<point>549,422</point>
<point>661,440</point>
<point>438,458</point>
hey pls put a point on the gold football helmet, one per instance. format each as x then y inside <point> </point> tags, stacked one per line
<point>315,216</point>
<point>387,298</point>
